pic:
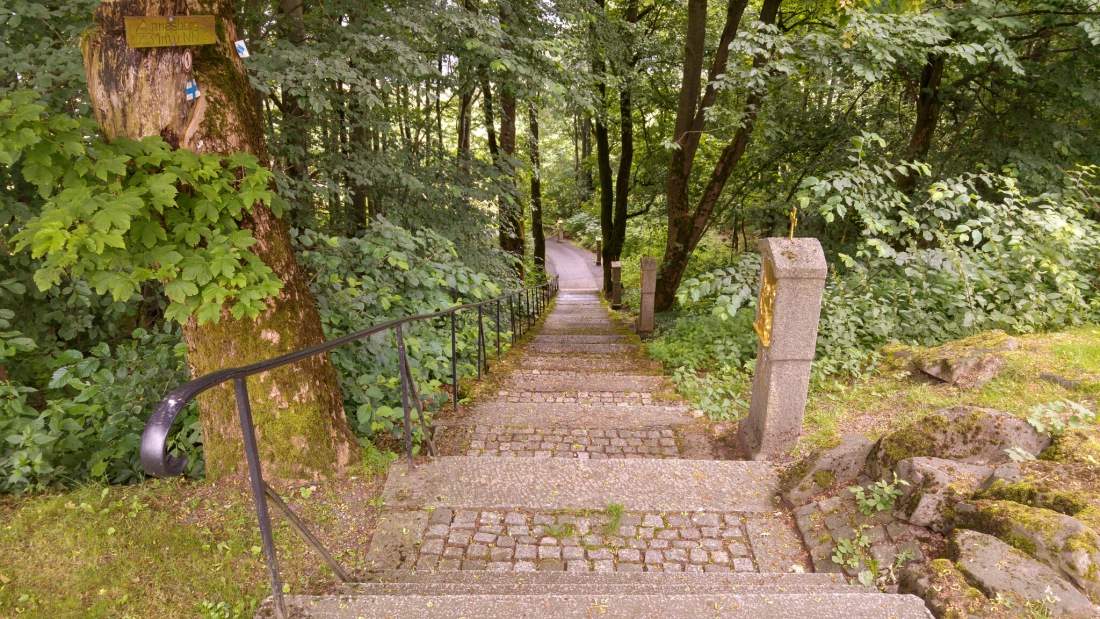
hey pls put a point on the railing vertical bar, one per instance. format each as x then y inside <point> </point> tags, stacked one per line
<point>497,325</point>
<point>401,363</point>
<point>419,406</point>
<point>480,341</point>
<point>512,318</point>
<point>252,456</point>
<point>454,364</point>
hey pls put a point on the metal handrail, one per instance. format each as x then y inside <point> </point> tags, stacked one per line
<point>156,460</point>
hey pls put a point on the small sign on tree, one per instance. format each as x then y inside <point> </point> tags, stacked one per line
<point>162,31</point>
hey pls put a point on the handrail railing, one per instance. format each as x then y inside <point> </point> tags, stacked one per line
<point>528,302</point>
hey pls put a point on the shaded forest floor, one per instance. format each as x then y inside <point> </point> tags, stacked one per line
<point>173,548</point>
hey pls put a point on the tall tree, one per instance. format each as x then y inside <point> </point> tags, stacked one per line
<point>537,232</point>
<point>511,206</point>
<point>686,223</point>
<point>298,410</point>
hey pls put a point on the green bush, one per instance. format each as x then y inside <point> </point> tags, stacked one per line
<point>390,273</point>
<point>94,410</point>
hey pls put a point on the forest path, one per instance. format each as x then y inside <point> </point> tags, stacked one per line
<point>575,266</point>
<point>570,496</point>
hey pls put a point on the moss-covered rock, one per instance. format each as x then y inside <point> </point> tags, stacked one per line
<point>998,569</point>
<point>963,433</point>
<point>1080,445</point>
<point>1063,543</point>
<point>946,592</point>
<point>1072,489</point>
<point>826,469</point>
<point>934,487</point>
<point>968,362</point>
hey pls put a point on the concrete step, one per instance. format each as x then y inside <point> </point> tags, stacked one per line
<point>567,348</point>
<point>583,383</point>
<point>534,484</point>
<point>689,606</point>
<point>702,579</point>
<point>548,363</point>
<point>576,415</point>
<point>557,338</point>
<point>522,587</point>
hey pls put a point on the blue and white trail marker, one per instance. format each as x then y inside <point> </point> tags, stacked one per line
<point>242,49</point>
<point>191,90</point>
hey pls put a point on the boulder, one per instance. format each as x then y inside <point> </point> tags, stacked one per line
<point>935,486</point>
<point>969,362</point>
<point>998,569</point>
<point>1072,489</point>
<point>946,592</point>
<point>898,357</point>
<point>840,465</point>
<point>1061,542</point>
<point>1080,445</point>
<point>963,433</point>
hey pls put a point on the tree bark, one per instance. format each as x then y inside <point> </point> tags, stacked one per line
<point>929,104</point>
<point>615,237</point>
<point>537,232</point>
<point>510,218</point>
<point>298,410</point>
<point>295,125</point>
<point>686,224</point>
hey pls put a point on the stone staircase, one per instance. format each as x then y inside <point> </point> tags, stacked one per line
<point>569,498</point>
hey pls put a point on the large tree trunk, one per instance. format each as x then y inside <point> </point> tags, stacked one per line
<point>537,232</point>
<point>510,220</point>
<point>298,410</point>
<point>686,224</point>
<point>929,104</point>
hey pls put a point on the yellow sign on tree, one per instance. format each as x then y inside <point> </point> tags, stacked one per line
<point>170,31</point>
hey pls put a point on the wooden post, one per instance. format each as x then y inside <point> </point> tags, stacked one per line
<point>616,285</point>
<point>599,250</point>
<point>649,290</point>
<point>561,232</point>
<point>792,283</point>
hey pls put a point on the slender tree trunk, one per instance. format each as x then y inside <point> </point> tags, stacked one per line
<point>607,185</point>
<point>510,220</point>
<point>616,236</point>
<point>929,104</point>
<point>686,224</point>
<point>135,93</point>
<point>295,125</point>
<point>536,191</point>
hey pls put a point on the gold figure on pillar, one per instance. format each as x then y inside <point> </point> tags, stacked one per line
<point>763,324</point>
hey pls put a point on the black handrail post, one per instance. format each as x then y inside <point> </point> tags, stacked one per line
<point>512,318</point>
<point>252,456</point>
<point>401,362</point>
<point>454,363</point>
<point>497,326</point>
<point>480,341</point>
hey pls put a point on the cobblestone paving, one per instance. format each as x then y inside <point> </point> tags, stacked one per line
<point>631,542</point>
<point>572,443</point>
<point>575,397</point>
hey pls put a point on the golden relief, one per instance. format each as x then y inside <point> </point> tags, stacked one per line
<point>766,306</point>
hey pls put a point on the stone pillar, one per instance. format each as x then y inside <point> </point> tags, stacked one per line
<point>649,291</point>
<point>792,282</point>
<point>561,232</point>
<point>616,285</point>
<point>599,250</point>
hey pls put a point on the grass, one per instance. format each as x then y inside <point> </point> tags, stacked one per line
<point>171,548</point>
<point>875,403</point>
